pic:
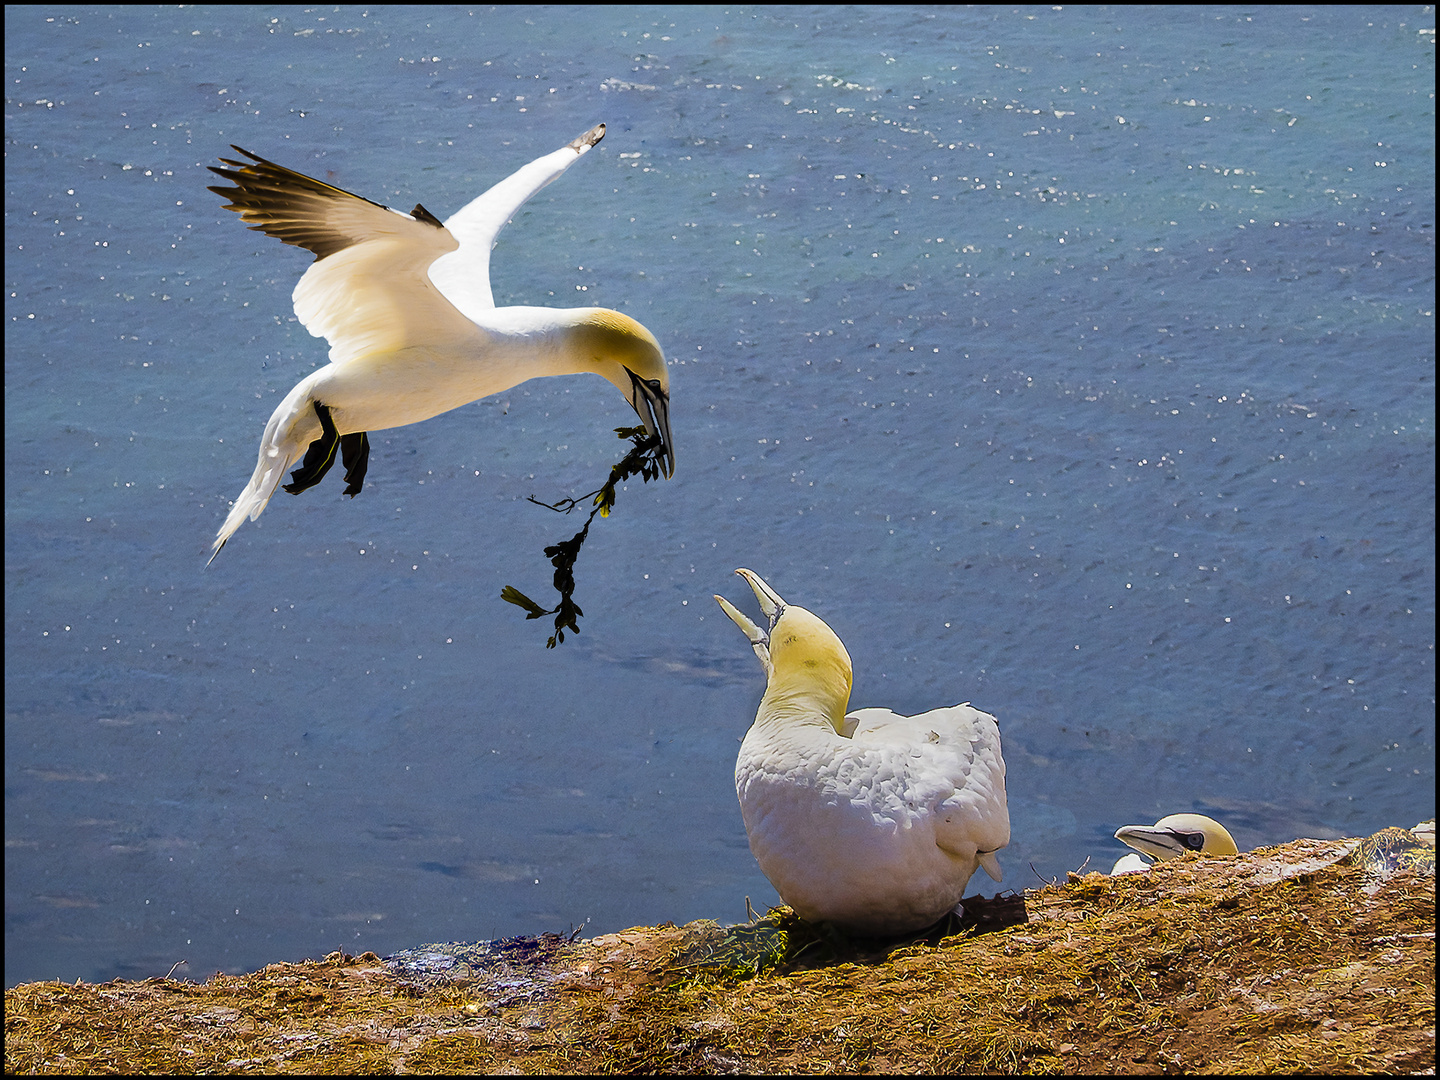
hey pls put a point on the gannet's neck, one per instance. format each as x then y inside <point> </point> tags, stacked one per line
<point>813,697</point>
<point>521,343</point>
<point>810,673</point>
<point>569,341</point>
<point>540,339</point>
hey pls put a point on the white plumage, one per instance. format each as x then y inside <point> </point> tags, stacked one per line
<point>405,304</point>
<point>868,820</point>
<point>1134,863</point>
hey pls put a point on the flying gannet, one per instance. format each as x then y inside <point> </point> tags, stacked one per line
<point>867,820</point>
<point>405,304</point>
<point>1169,837</point>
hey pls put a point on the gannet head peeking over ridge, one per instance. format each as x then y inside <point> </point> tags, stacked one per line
<point>1170,837</point>
<point>868,820</point>
<point>405,303</point>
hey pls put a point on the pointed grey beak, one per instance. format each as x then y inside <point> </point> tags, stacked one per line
<point>652,405</point>
<point>1160,843</point>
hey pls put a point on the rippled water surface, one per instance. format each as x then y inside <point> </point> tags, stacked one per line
<point>1076,363</point>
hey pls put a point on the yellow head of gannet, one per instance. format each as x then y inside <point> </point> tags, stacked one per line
<point>809,671</point>
<point>612,344</point>
<point>405,302</point>
<point>868,820</point>
<point>1173,836</point>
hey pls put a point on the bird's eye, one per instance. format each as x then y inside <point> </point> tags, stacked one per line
<point>1194,841</point>
<point>654,384</point>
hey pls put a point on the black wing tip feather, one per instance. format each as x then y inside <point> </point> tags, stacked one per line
<point>263,174</point>
<point>247,153</point>
<point>266,194</point>
<point>245,164</point>
<point>261,171</point>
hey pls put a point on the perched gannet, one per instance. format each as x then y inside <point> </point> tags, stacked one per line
<point>868,820</point>
<point>405,304</point>
<point>1172,836</point>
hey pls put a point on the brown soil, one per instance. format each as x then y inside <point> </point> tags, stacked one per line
<point>1288,959</point>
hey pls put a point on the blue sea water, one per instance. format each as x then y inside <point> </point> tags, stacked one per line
<point>1075,362</point>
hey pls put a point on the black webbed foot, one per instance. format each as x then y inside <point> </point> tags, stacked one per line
<point>355,453</point>
<point>319,457</point>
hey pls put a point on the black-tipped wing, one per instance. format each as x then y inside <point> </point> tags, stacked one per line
<point>300,210</point>
<point>369,291</point>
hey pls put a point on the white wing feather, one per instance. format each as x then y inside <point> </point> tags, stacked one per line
<point>375,297</point>
<point>367,292</point>
<point>463,275</point>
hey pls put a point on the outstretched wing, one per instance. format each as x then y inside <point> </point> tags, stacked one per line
<point>464,275</point>
<point>368,290</point>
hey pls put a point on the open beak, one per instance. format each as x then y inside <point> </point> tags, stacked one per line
<point>1158,843</point>
<point>652,405</point>
<point>770,604</point>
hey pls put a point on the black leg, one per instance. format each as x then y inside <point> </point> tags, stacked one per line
<point>355,453</point>
<point>319,457</point>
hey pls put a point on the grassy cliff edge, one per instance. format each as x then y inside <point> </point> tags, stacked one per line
<point>1314,956</point>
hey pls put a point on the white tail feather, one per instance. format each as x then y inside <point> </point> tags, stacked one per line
<point>292,427</point>
<point>251,501</point>
<point>991,865</point>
